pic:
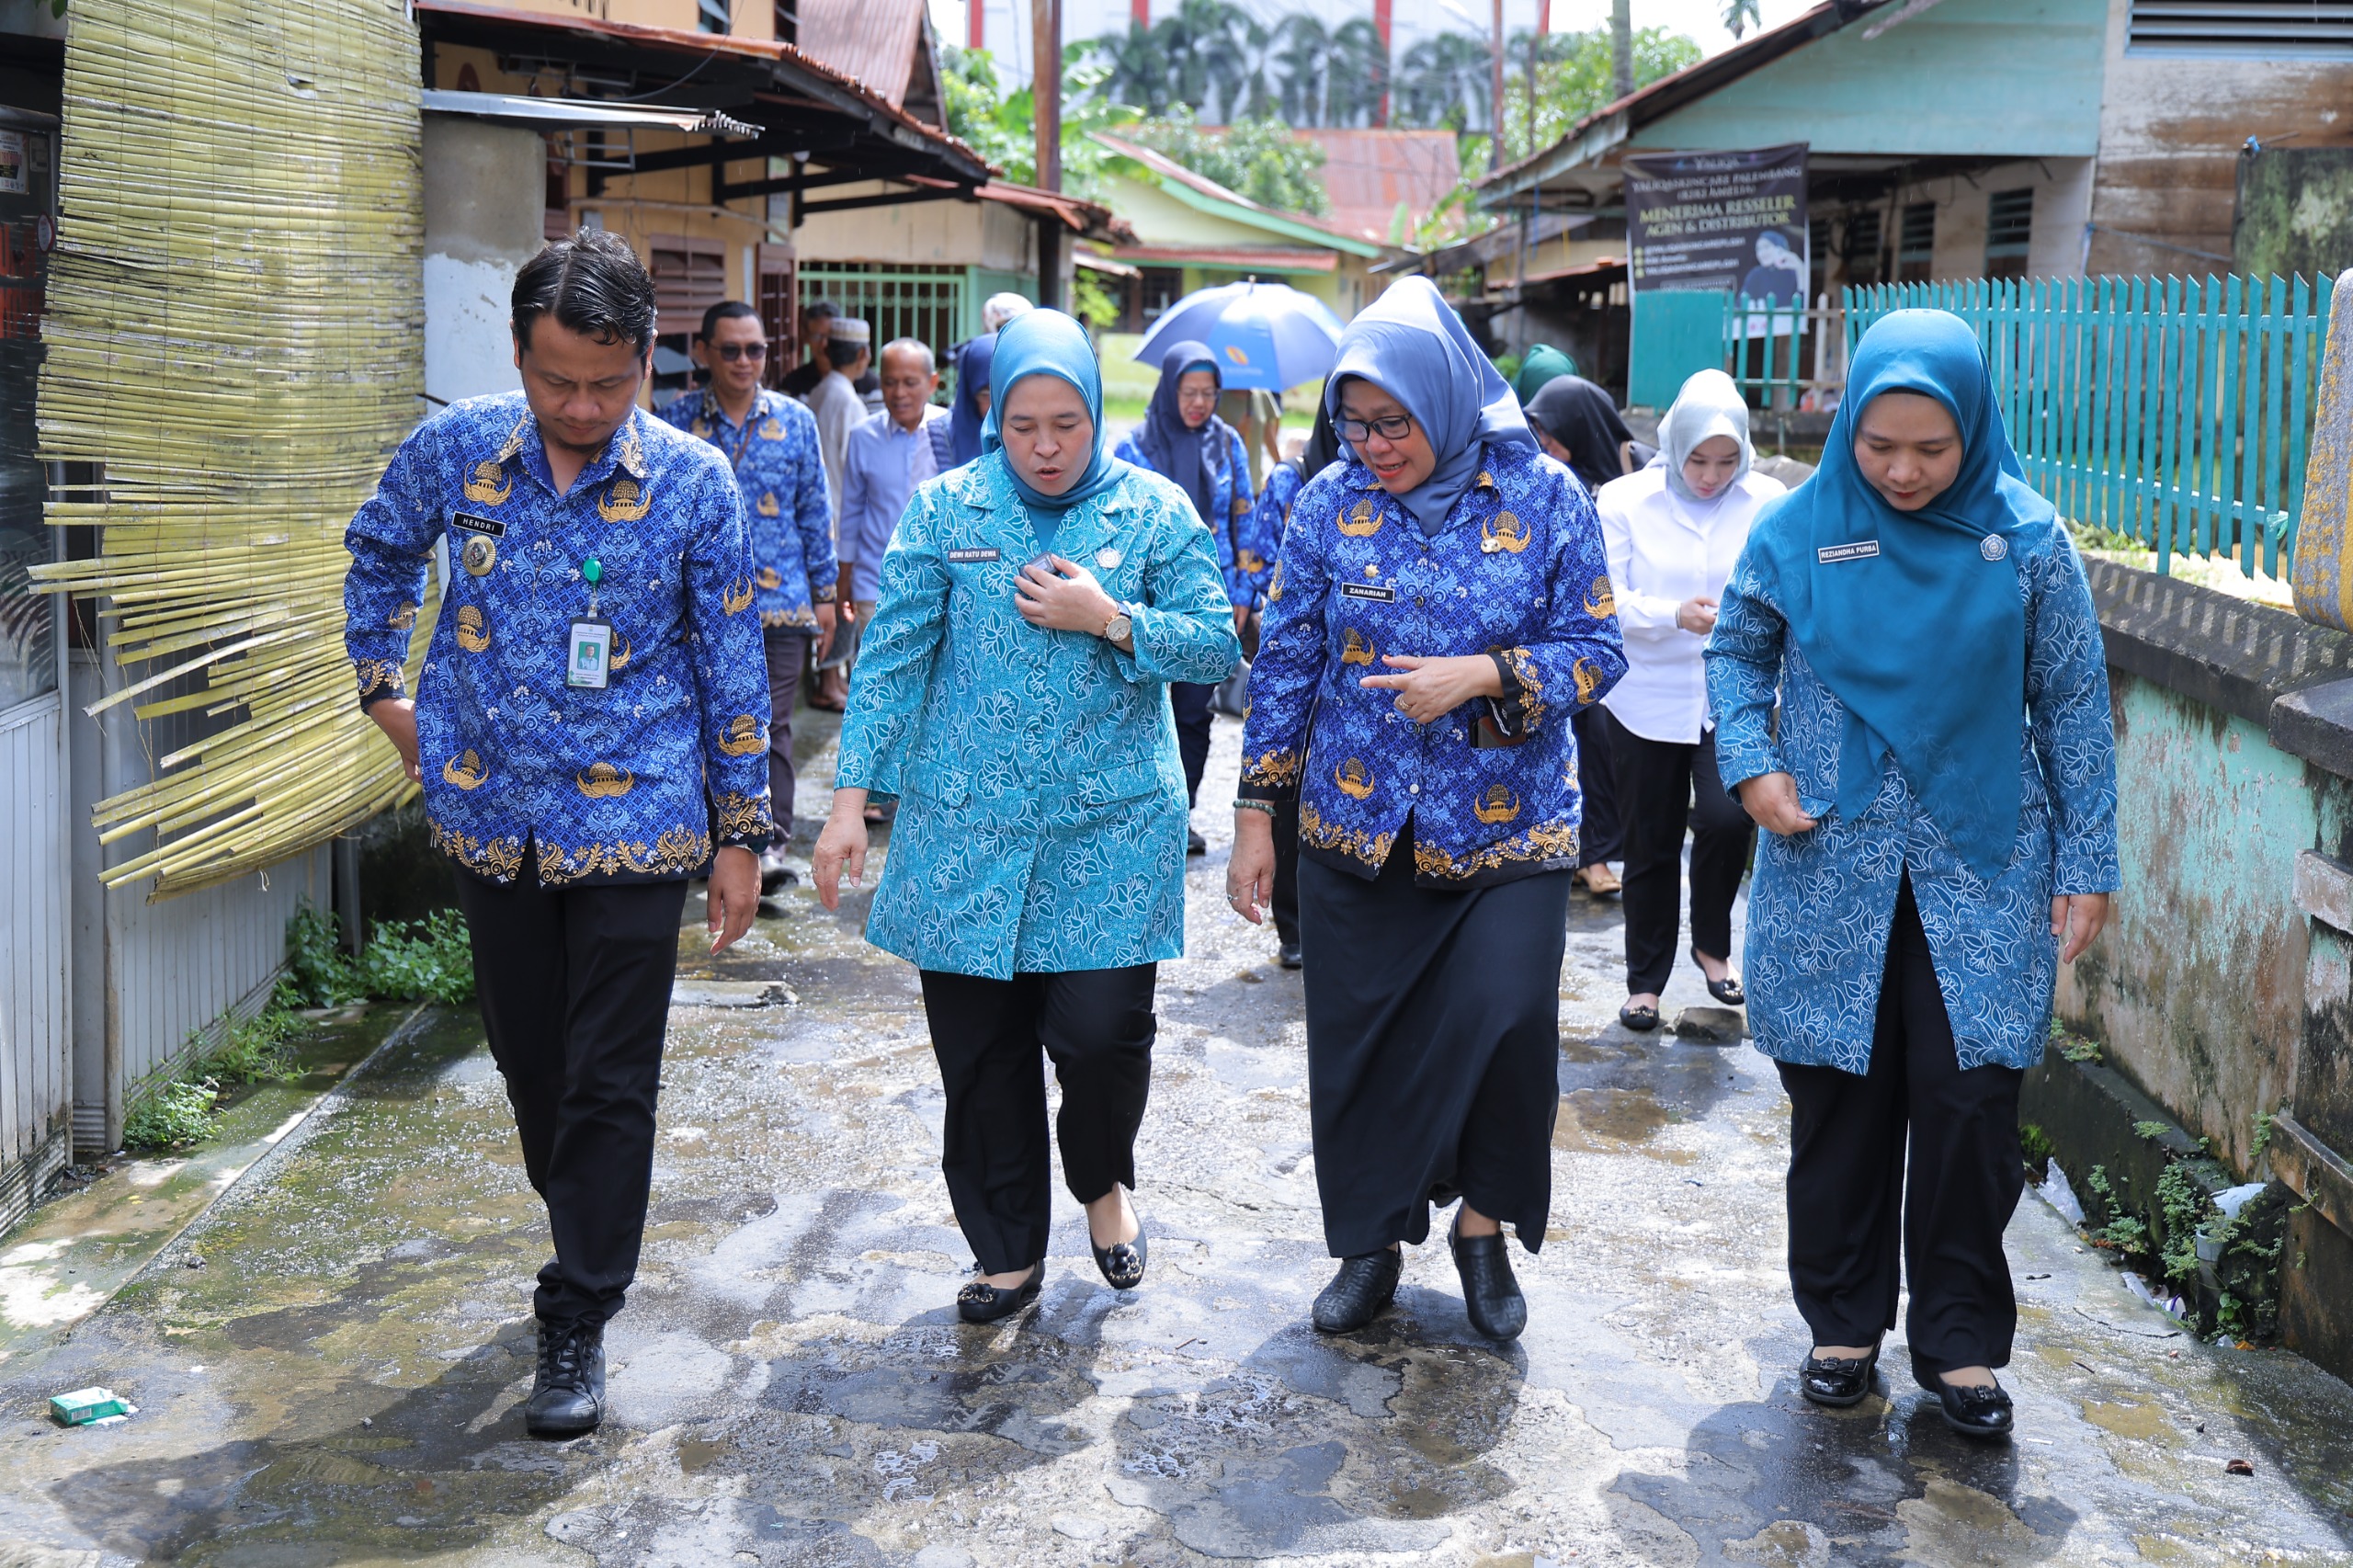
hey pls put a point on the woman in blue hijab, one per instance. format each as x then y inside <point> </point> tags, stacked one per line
<point>969,407</point>
<point>1940,797</point>
<point>1183,439</point>
<point>1440,609</point>
<point>1012,694</point>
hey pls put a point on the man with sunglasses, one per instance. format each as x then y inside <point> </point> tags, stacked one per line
<point>771,441</point>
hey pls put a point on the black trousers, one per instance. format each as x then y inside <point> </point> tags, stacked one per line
<point>1283,901</point>
<point>1599,836</point>
<point>786,648</point>
<point>575,985</point>
<point>1849,1194</point>
<point>1663,787</point>
<point>1193,719</point>
<point>1098,1025</point>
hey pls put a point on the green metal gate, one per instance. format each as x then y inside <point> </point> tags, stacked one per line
<point>934,303</point>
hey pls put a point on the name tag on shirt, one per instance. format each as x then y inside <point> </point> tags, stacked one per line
<point>1367,591</point>
<point>966,557</point>
<point>479,525</point>
<point>1861,550</point>
<point>589,660</point>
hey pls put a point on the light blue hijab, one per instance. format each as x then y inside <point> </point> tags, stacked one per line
<point>1047,343</point>
<point>1914,619</point>
<point>1411,345</point>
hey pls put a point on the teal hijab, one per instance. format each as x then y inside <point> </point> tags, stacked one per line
<point>1915,619</point>
<point>1047,343</point>
<point>1543,364</point>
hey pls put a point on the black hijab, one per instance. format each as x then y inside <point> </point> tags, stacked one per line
<point>1191,457</point>
<point>1322,445</point>
<point>1579,415</point>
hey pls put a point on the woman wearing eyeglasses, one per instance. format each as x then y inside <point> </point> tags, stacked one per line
<point>1441,608</point>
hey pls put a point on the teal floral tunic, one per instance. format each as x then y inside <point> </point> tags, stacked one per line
<point>1042,824</point>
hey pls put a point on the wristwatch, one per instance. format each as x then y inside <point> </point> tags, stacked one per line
<point>1119,628</point>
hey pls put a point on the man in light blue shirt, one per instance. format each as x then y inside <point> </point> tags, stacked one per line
<point>886,456</point>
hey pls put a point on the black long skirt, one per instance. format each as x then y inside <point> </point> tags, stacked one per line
<point>1433,1048</point>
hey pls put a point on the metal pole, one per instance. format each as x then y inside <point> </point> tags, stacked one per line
<point>1046,94</point>
<point>1495,93</point>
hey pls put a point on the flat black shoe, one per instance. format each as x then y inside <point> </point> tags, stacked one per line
<point>1640,1019</point>
<point>1122,1262</point>
<point>1726,990</point>
<point>1490,1294</point>
<point>1837,1381</point>
<point>1194,843</point>
<point>1365,1284</point>
<point>1981,1413</point>
<point>568,1395</point>
<point>1287,954</point>
<point>977,1302</point>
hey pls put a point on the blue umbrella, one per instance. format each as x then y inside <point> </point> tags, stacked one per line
<point>1265,335</point>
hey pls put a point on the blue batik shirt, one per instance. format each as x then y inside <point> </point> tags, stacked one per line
<point>632,782</point>
<point>1518,573</point>
<point>774,453</point>
<point>1259,540</point>
<point>1241,557</point>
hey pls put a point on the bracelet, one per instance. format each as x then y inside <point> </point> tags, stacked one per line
<point>1265,806</point>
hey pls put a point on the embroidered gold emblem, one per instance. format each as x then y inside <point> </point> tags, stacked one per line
<point>765,506</point>
<point>772,430</point>
<point>621,653</point>
<point>378,674</point>
<point>1497,806</point>
<point>473,632</point>
<point>701,426</point>
<point>403,618</point>
<point>1362,521</point>
<point>1504,532</point>
<point>625,502</point>
<point>603,781</point>
<point>737,596</point>
<point>741,737</point>
<point>770,577</point>
<point>490,486</point>
<point>1588,678</point>
<point>740,816</point>
<point>514,442</point>
<point>1486,480</point>
<point>465,770</point>
<point>1354,780</point>
<point>1601,600</point>
<point>1354,649</point>
<point>1250,561</point>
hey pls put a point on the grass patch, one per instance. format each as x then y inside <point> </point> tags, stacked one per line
<point>180,1115</point>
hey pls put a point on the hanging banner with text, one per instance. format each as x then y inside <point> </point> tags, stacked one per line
<point>1734,221</point>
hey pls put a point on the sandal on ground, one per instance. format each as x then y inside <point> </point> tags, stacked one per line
<point>977,1302</point>
<point>1122,1262</point>
<point>1837,1381</point>
<point>1640,1019</point>
<point>1726,990</point>
<point>1600,880</point>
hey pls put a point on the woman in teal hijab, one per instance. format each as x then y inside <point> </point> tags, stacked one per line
<point>1013,693</point>
<point>1542,365</point>
<point>1940,804</point>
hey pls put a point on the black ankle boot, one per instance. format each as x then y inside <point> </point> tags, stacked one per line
<point>1490,1294</point>
<point>1365,1284</point>
<point>568,1395</point>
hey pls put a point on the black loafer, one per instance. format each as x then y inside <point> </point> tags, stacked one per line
<point>977,1302</point>
<point>1122,1262</point>
<point>1642,1020</point>
<point>1287,954</point>
<point>1981,1413</point>
<point>1489,1293</point>
<point>1726,990</point>
<point>568,1395</point>
<point>1365,1284</point>
<point>1837,1381</point>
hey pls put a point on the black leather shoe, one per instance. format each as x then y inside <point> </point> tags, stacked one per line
<point>1490,1294</point>
<point>1981,1413</point>
<point>1194,843</point>
<point>1726,990</point>
<point>1642,1020</point>
<point>568,1395</point>
<point>1122,1262</point>
<point>1365,1284</point>
<point>1837,1381</point>
<point>1286,955</point>
<point>977,1302</point>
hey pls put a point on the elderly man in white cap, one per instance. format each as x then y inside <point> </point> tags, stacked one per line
<point>849,349</point>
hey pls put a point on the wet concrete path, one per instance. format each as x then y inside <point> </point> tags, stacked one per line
<point>338,1382</point>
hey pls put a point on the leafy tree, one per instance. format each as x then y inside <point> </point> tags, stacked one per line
<point>1001,127</point>
<point>1216,59</point>
<point>1445,80</point>
<point>1257,158</point>
<point>1574,79</point>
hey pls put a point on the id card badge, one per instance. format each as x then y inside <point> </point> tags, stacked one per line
<point>589,652</point>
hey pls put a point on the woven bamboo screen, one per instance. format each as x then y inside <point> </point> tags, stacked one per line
<point>234,334</point>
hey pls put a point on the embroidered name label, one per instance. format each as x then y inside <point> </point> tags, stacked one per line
<point>474,524</point>
<point>1861,550</point>
<point>966,556</point>
<point>1367,591</point>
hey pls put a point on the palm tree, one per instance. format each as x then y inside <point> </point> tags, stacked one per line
<point>1301,60</point>
<point>1740,15</point>
<point>1139,71</point>
<point>1357,77</point>
<point>1444,80</point>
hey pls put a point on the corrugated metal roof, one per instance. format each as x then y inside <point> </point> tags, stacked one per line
<point>872,41</point>
<point>1368,173</point>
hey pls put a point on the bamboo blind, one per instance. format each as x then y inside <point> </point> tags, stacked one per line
<point>234,334</point>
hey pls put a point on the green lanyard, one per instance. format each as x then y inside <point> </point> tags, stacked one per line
<point>592,573</point>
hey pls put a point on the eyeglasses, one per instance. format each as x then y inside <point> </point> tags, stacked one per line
<point>1197,394</point>
<point>730,352</point>
<point>1395,428</point>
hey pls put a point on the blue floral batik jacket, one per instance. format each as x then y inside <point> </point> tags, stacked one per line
<point>632,782</point>
<point>1518,573</point>
<point>1041,824</point>
<point>1821,903</point>
<point>1260,541</point>
<point>786,507</point>
<point>1241,559</point>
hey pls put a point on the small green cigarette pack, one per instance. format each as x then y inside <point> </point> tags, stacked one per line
<point>84,1406</point>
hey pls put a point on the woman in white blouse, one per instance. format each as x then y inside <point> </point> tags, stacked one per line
<point>1673,530</point>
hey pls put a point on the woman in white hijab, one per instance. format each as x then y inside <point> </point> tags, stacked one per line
<point>1673,531</point>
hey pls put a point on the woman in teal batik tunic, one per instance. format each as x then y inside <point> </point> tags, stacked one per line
<point>1013,693</point>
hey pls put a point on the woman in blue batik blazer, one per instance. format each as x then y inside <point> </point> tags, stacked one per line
<point>1012,692</point>
<point>1941,801</point>
<point>1441,606</point>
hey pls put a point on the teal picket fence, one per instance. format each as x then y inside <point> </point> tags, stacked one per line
<point>2175,411</point>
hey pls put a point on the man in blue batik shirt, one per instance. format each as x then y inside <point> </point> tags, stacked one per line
<point>587,726</point>
<point>771,442</point>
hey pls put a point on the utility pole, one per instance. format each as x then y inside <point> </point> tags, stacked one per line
<point>1495,93</point>
<point>1621,48</point>
<point>1046,94</point>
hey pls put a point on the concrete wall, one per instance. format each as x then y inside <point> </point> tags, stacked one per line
<point>920,233</point>
<point>485,196</point>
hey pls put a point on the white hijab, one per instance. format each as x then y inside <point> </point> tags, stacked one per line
<point>1708,405</point>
